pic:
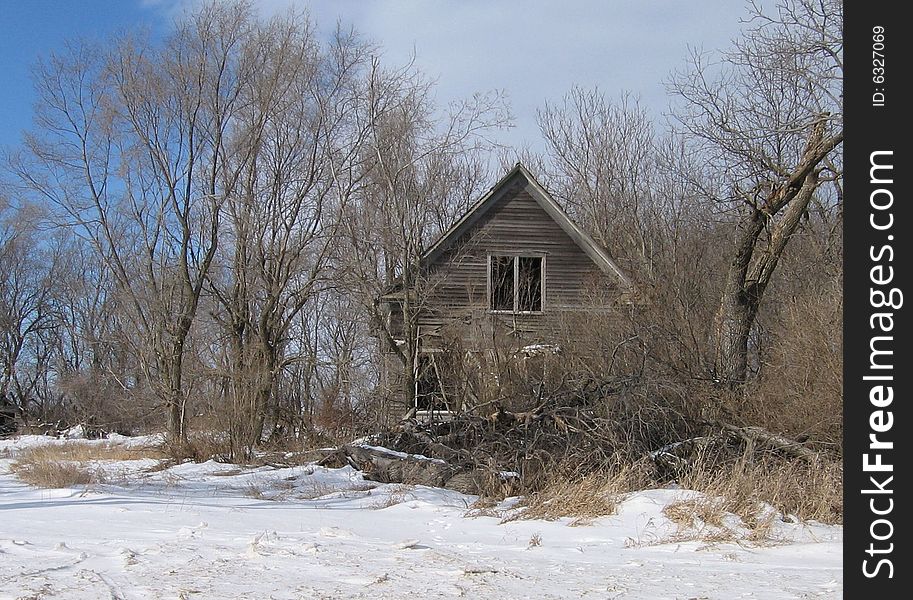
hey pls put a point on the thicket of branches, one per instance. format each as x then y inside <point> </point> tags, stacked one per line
<point>196,231</point>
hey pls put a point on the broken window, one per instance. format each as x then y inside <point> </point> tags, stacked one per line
<point>529,283</point>
<point>516,283</point>
<point>502,283</point>
<point>427,384</point>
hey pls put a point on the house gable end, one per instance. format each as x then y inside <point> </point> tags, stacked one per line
<point>519,177</point>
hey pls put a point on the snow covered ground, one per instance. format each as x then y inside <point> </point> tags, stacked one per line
<point>212,530</point>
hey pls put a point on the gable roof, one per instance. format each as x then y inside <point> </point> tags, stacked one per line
<point>478,211</point>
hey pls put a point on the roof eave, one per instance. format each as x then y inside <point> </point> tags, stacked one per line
<point>586,243</point>
<point>471,216</point>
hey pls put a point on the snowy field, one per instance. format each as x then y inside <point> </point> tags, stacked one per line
<point>218,531</point>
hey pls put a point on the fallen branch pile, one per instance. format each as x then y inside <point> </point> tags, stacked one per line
<point>587,427</point>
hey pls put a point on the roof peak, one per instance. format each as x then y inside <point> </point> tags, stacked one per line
<point>542,197</point>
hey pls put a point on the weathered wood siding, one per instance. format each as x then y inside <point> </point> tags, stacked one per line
<point>457,282</point>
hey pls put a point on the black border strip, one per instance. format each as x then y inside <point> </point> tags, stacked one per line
<point>877,113</point>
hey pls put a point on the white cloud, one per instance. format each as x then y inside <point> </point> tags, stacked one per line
<point>535,50</point>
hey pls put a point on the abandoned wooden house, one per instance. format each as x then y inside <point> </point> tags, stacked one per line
<point>508,274</point>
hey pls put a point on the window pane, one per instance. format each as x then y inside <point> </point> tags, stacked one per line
<point>502,283</point>
<point>529,286</point>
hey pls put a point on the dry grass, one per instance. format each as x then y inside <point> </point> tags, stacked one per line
<point>276,491</point>
<point>740,501</point>
<point>706,519</point>
<point>67,465</point>
<point>397,495</point>
<point>802,390</point>
<point>77,451</point>
<point>810,491</point>
<point>586,499</point>
<point>701,519</point>
<point>697,512</point>
<point>485,506</point>
<point>56,474</point>
<point>252,490</point>
<point>582,499</point>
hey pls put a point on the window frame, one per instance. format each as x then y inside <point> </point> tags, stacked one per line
<point>515,260</point>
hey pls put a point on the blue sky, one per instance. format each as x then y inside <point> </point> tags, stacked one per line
<point>30,29</point>
<point>535,50</point>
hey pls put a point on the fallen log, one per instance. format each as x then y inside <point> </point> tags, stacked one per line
<point>678,456</point>
<point>755,435</point>
<point>388,466</point>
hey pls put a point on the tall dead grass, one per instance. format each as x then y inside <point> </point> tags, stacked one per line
<point>55,474</point>
<point>73,464</point>
<point>738,500</point>
<point>582,498</point>
<point>806,490</point>
<point>800,392</point>
<point>78,451</point>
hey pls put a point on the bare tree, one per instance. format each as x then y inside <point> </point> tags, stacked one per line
<point>254,137</point>
<point>601,163</point>
<point>135,148</point>
<point>423,171</point>
<point>95,378</point>
<point>280,235</point>
<point>28,268</point>
<point>765,120</point>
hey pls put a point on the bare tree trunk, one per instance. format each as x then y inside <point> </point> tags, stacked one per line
<point>175,400</point>
<point>753,265</point>
<point>734,322</point>
<point>738,307</point>
<point>763,124</point>
<point>267,370</point>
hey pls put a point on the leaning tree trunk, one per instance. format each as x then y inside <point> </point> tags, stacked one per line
<point>747,278</point>
<point>734,321</point>
<point>738,307</point>
<point>757,255</point>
